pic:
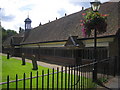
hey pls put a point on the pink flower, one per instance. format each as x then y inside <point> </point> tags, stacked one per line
<point>105,15</point>
<point>84,32</point>
<point>81,24</point>
<point>83,14</point>
<point>81,20</point>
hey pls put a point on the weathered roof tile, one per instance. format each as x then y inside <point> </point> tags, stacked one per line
<point>62,28</point>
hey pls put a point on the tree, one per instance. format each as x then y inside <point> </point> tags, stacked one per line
<point>21,30</point>
<point>7,33</point>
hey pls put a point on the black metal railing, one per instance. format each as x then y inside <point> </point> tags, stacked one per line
<point>68,77</point>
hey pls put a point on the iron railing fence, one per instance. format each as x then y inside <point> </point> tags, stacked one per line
<point>68,77</point>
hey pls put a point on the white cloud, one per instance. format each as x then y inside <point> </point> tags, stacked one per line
<point>39,11</point>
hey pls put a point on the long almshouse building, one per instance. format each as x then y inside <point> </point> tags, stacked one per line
<point>61,41</point>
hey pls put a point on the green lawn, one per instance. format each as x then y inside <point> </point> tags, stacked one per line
<point>12,67</point>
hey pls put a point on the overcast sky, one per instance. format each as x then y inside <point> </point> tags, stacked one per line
<point>14,12</point>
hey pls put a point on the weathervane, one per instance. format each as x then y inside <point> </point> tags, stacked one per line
<point>28,14</point>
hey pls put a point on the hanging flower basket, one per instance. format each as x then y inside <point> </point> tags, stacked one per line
<point>93,20</point>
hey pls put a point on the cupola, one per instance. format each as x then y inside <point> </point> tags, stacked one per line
<point>27,23</point>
